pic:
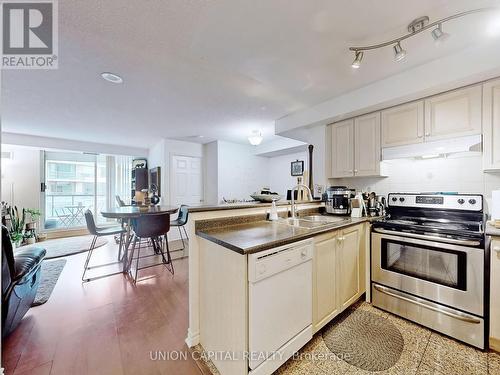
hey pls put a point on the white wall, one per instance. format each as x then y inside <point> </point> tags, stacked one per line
<point>240,172</point>
<point>280,179</point>
<point>21,177</point>
<point>459,173</point>
<point>211,174</point>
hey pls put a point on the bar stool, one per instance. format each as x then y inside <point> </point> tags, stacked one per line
<point>180,222</point>
<point>100,232</point>
<point>154,228</point>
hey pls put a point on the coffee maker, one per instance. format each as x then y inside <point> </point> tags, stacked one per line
<point>338,200</point>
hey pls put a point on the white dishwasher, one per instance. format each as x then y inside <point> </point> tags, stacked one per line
<point>280,304</point>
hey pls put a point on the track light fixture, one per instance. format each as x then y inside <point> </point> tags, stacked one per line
<point>416,26</point>
<point>399,52</point>
<point>438,35</point>
<point>357,59</point>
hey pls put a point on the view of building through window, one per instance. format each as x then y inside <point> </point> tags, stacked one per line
<point>76,182</point>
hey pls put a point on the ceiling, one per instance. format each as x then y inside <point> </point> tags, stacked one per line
<point>213,68</point>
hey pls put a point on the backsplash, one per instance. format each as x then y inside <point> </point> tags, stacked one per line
<point>457,173</point>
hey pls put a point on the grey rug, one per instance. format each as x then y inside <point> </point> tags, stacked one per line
<point>365,340</point>
<point>51,270</point>
<point>62,247</point>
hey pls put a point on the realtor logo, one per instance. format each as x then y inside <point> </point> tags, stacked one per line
<point>29,34</point>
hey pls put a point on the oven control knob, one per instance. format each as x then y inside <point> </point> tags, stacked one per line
<point>472,201</point>
<point>394,199</point>
<point>401,199</point>
<point>461,201</point>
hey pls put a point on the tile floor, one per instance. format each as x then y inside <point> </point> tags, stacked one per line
<point>425,352</point>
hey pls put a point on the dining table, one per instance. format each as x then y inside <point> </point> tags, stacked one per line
<point>127,214</point>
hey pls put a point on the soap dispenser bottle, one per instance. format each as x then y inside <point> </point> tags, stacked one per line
<point>274,211</point>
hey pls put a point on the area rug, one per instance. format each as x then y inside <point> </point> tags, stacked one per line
<point>62,247</point>
<point>51,270</point>
<point>365,340</point>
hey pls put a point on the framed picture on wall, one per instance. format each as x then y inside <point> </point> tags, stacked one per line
<point>155,179</point>
<point>297,168</point>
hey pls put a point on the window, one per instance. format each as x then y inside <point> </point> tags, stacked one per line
<point>77,182</point>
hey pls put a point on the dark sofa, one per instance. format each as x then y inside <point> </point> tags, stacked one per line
<point>20,278</point>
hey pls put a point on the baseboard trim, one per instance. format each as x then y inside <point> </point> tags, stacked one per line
<point>495,344</point>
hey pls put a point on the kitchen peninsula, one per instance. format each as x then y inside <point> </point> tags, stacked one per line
<point>276,293</point>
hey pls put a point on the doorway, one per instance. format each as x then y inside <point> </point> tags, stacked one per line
<point>186,180</point>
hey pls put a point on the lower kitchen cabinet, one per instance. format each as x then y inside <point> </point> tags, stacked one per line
<point>495,294</point>
<point>325,305</point>
<point>339,272</point>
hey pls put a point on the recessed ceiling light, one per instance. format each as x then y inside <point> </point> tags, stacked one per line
<point>111,77</point>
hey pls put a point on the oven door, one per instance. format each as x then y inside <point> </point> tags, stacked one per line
<point>448,274</point>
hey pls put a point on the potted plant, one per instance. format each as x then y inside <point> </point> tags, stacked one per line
<point>34,215</point>
<point>30,237</point>
<point>17,225</point>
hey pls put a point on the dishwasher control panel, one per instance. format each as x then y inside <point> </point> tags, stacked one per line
<point>269,262</point>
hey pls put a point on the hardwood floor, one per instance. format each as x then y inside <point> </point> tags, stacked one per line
<point>106,326</point>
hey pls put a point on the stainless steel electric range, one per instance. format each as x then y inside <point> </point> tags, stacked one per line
<point>429,263</point>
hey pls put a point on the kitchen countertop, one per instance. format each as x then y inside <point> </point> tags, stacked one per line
<point>261,235</point>
<point>234,206</point>
<point>492,231</point>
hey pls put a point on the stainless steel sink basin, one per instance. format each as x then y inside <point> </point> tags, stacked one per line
<point>324,219</point>
<point>313,221</point>
<point>301,223</point>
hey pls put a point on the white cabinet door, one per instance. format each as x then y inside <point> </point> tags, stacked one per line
<point>349,259</point>
<point>454,114</point>
<point>343,149</point>
<point>325,280</point>
<point>403,125</point>
<point>491,125</point>
<point>367,145</point>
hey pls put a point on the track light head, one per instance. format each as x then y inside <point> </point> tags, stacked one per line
<point>438,34</point>
<point>399,52</point>
<point>357,59</point>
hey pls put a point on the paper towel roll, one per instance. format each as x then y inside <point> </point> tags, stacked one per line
<point>495,205</point>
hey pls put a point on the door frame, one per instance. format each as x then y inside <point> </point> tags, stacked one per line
<point>171,174</point>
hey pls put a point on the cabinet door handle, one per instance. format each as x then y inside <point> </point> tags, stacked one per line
<point>427,134</point>
<point>355,171</point>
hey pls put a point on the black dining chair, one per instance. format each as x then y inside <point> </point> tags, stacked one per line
<point>100,232</point>
<point>155,228</point>
<point>180,222</point>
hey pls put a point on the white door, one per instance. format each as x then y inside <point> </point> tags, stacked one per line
<point>186,180</point>
<point>367,145</point>
<point>343,149</point>
<point>403,125</point>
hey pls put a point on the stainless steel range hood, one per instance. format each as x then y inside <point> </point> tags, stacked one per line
<point>434,148</point>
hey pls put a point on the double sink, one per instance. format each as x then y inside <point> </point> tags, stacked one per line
<point>313,221</point>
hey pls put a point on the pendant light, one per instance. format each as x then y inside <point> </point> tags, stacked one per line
<point>256,138</point>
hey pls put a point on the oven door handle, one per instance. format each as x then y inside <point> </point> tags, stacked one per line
<point>429,238</point>
<point>428,305</point>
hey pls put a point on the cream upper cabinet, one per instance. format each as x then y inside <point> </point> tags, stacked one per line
<point>350,265</point>
<point>491,125</point>
<point>367,145</point>
<point>342,142</point>
<point>453,114</point>
<point>495,294</point>
<point>325,304</point>
<point>403,125</point>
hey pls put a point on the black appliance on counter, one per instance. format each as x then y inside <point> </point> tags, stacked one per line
<point>338,200</point>
<point>429,263</point>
